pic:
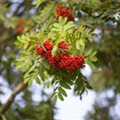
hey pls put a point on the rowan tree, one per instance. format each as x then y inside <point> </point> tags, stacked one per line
<point>49,42</point>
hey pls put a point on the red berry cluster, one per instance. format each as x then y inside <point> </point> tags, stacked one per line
<point>62,60</point>
<point>64,12</point>
<point>63,45</point>
<point>20,26</point>
<point>46,51</point>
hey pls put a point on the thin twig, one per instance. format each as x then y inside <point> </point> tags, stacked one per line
<point>21,86</point>
<point>3,117</point>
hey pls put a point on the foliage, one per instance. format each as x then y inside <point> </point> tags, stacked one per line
<point>76,38</point>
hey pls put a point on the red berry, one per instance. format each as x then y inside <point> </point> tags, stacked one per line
<point>48,46</point>
<point>20,26</point>
<point>64,12</point>
<point>63,45</point>
<point>19,30</point>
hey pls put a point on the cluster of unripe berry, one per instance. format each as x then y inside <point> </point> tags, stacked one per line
<point>61,60</point>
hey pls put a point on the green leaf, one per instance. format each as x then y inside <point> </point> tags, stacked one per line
<point>62,20</point>
<point>93,53</point>
<point>78,44</point>
<point>94,68</point>
<point>68,26</point>
<point>88,86</point>
<point>30,83</point>
<point>54,50</point>
<point>41,74</point>
<point>24,62</point>
<point>40,37</point>
<point>65,85</point>
<point>60,97</point>
<point>62,91</point>
<point>46,65</point>
<point>82,91</point>
<point>82,43</point>
<point>55,98</point>
<point>38,2</point>
<point>79,83</point>
<point>53,95</point>
<point>38,80</point>
<point>57,26</point>
<point>32,68</point>
<point>55,89</point>
<point>88,52</point>
<point>94,59</point>
<point>95,35</point>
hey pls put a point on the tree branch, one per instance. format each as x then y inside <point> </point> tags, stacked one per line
<point>3,117</point>
<point>21,86</point>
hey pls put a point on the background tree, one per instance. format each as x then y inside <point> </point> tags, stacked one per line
<point>25,16</point>
<point>10,16</point>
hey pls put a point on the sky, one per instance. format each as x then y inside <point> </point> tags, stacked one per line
<point>72,108</point>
